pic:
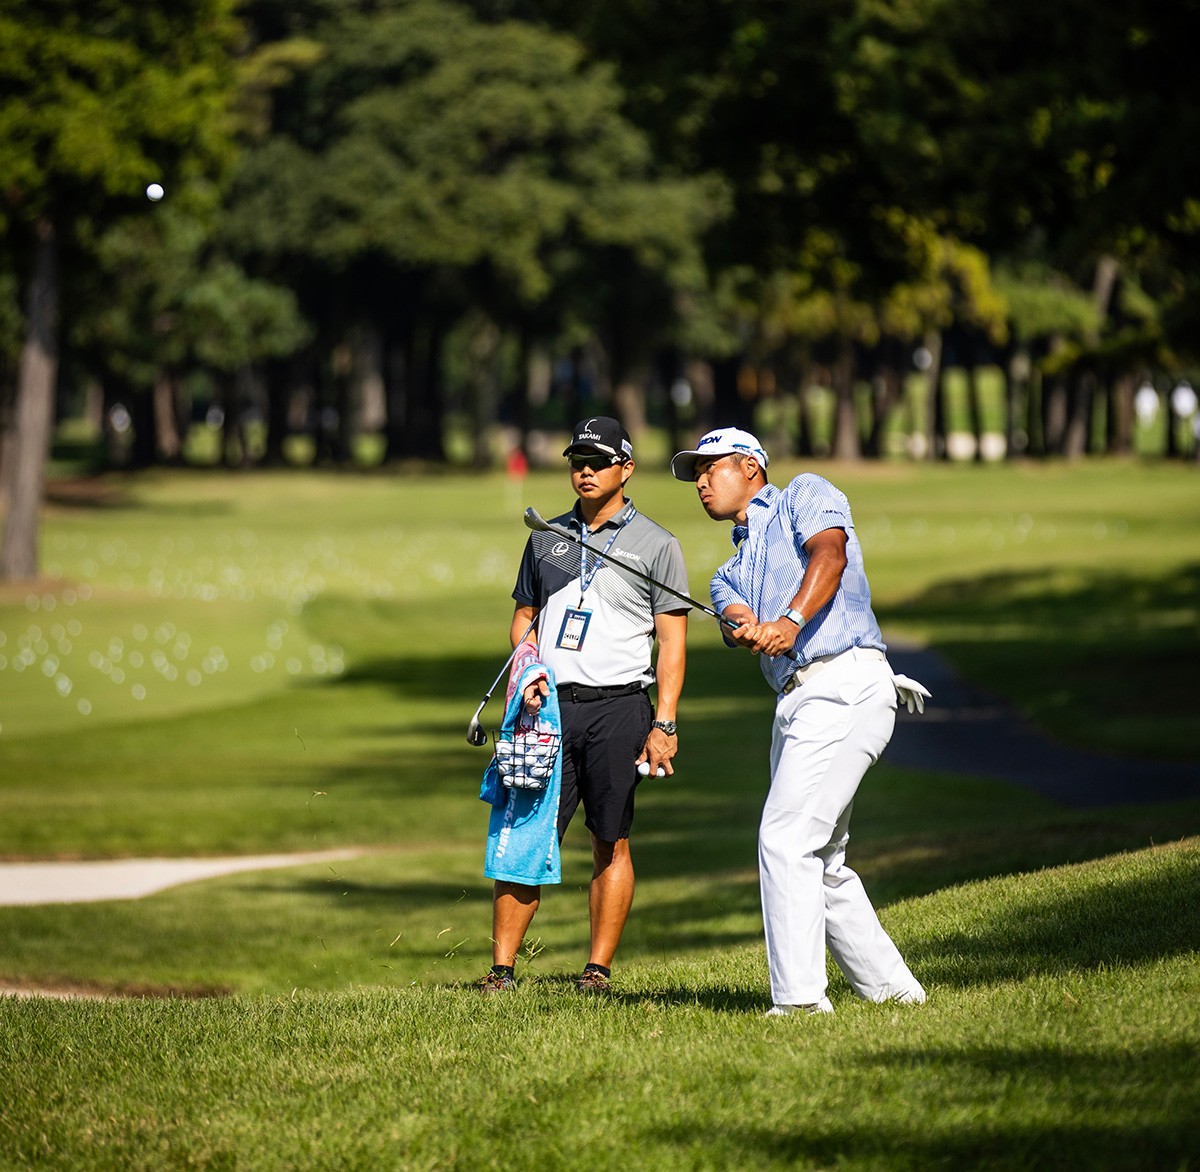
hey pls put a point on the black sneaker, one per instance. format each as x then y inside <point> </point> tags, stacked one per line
<point>593,982</point>
<point>496,983</point>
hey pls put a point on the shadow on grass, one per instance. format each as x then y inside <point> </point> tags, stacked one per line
<point>1084,925</point>
<point>702,825</point>
<point>1066,1085</point>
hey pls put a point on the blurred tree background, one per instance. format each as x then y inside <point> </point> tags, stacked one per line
<point>395,230</point>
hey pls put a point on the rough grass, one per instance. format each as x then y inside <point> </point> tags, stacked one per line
<point>1060,1033</point>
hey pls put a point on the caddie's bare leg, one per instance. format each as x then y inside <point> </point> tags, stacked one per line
<point>513,908</point>
<point>610,897</point>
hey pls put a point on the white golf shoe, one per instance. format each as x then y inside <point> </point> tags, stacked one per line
<point>822,1006</point>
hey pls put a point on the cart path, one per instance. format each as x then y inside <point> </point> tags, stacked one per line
<point>26,884</point>
<point>966,731</point>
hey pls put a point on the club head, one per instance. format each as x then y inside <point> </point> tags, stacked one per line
<point>476,733</point>
<point>534,520</point>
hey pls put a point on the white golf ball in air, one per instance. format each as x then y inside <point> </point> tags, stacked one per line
<point>154,192</point>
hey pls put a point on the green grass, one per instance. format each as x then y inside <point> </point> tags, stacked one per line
<point>343,628</point>
<point>1061,1033</point>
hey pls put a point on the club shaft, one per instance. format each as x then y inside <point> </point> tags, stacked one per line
<point>534,520</point>
<point>509,660</point>
<point>566,533</point>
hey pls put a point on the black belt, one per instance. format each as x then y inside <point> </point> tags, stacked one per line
<point>581,694</point>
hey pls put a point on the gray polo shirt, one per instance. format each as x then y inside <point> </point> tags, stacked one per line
<point>618,608</point>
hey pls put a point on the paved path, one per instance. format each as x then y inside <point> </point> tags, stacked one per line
<point>41,883</point>
<point>966,731</point>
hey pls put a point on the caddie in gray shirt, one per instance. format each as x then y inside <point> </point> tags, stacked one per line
<point>596,630</point>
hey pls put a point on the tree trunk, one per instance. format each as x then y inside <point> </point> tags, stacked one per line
<point>345,404</point>
<point>1075,438</point>
<point>538,369</point>
<point>1120,416</point>
<point>278,380</point>
<point>846,443</point>
<point>885,393</point>
<point>484,352</point>
<point>699,374</point>
<point>8,445</point>
<point>141,408</point>
<point>34,414</point>
<point>166,417</point>
<point>629,399</point>
<point>974,406</point>
<point>1016,394</point>
<point>935,421</point>
<point>730,407</point>
<point>1055,414</point>
<point>528,374</point>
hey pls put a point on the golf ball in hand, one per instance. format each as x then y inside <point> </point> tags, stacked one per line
<point>154,192</point>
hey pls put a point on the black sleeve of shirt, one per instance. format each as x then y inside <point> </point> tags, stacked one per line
<point>526,592</point>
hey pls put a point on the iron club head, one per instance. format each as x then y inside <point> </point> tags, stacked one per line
<point>476,734</point>
<point>535,520</point>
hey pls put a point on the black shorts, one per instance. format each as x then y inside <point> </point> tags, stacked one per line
<point>601,743</point>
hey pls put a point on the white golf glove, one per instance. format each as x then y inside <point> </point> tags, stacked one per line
<point>911,694</point>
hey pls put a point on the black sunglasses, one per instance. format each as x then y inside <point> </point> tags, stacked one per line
<point>594,461</point>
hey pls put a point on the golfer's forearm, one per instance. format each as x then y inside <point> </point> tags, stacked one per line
<point>818,587</point>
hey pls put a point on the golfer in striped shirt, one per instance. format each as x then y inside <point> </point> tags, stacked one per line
<point>797,588</point>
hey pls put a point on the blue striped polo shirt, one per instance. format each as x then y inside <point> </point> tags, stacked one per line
<point>769,565</point>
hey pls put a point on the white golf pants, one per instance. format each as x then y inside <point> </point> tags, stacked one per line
<point>827,733</point>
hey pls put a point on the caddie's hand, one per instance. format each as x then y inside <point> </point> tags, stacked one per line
<point>658,751</point>
<point>910,693</point>
<point>534,694</point>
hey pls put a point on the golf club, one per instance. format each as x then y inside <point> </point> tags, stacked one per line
<point>476,734</point>
<point>534,520</point>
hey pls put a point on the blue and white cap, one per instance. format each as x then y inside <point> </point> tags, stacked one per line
<point>725,441</point>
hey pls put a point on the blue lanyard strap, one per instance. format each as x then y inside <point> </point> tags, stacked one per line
<point>585,577</point>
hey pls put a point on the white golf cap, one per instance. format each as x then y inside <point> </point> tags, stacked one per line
<point>725,441</point>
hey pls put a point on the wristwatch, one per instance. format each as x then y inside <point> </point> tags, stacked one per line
<point>667,726</point>
<point>795,616</point>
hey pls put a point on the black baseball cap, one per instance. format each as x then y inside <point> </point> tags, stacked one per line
<point>602,434</point>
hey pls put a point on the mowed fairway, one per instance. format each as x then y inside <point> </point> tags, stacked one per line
<point>263,663</point>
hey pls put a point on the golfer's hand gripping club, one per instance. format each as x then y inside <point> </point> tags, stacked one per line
<point>535,521</point>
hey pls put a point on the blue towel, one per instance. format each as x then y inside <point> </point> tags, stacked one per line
<point>522,845</point>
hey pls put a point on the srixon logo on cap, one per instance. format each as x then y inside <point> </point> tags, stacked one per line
<point>709,439</point>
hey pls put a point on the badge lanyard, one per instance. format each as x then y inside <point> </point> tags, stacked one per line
<point>575,621</point>
<point>585,579</point>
